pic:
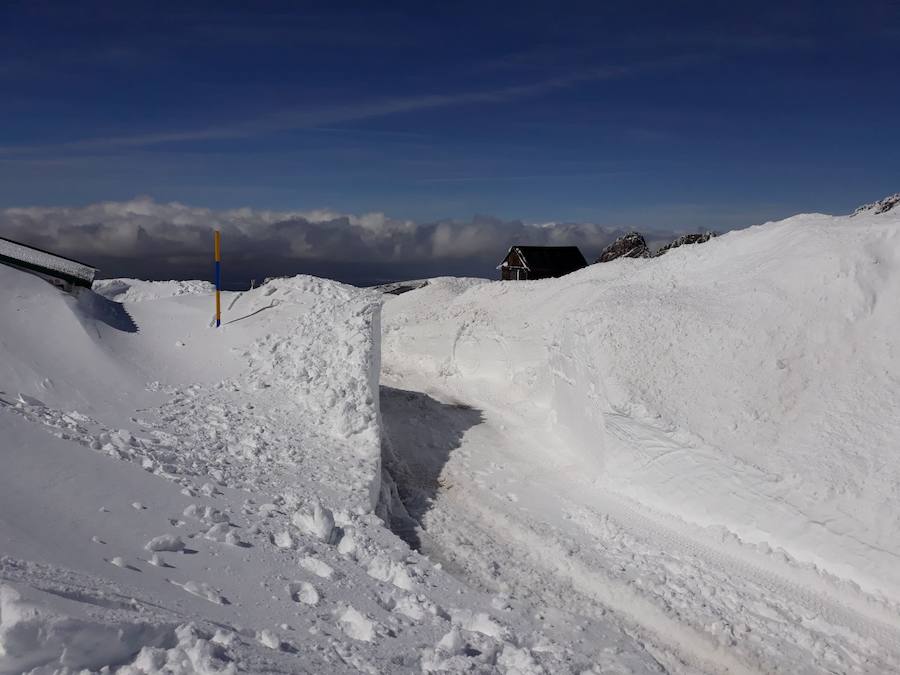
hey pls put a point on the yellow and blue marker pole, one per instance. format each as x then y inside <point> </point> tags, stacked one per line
<point>218,240</point>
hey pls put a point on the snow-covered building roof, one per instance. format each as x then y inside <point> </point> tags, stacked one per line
<point>45,263</point>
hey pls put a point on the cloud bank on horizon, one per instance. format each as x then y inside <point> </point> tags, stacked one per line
<point>152,240</point>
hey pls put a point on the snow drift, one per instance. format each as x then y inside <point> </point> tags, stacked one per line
<point>179,499</point>
<point>749,384</point>
<point>225,435</point>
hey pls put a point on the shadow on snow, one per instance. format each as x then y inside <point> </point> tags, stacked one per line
<point>106,311</point>
<point>419,433</point>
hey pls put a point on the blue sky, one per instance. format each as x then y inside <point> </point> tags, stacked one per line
<point>649,114</point>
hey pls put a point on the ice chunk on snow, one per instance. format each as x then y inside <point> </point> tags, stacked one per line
<point>304,592</point>
<point>283,539</point>
<point>384,569</point>
<point>317,567</point>
<point>516,660</point>
<point>357,626</point>
<point>410,607</point>
<point>317,522</point>
<point>192,654</point>
<point>452,642</point>
<point>165,542</point>
<point>269,638</point>
<point>480,622</point>
<point>218,532</point>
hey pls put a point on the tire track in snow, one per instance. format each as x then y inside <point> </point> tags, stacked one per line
<point>549,563</point>
<point>790,624</point>
<point>856,623</point>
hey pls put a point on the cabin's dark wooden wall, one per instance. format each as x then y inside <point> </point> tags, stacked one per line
<point>508,272</point>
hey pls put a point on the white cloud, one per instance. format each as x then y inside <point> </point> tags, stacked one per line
<point>142,237</point>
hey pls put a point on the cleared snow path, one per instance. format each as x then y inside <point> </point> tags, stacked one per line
<point>547,537</point>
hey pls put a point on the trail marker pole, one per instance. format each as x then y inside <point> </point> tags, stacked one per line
<point>218,247</point>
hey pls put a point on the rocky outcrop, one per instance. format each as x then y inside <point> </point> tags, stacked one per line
<point>631,245</point>
<point>881,206</point>
<point>698,238</point>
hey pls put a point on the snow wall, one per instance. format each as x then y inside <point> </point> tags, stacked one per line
<point>750,383</point>
<point>306,342</point>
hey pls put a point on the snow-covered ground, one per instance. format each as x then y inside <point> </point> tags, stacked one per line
<point>685,464</point>
<point>705,444</point>
<point>178,499</point>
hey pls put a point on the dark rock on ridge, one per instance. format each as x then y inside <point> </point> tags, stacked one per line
<point>631,245</point>
<point>698,238</point>
<point>881,206</point>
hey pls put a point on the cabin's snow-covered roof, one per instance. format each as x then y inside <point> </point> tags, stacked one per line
<point>43,261</point>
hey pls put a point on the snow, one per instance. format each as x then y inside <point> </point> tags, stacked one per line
<point>684,464</point>
<point>682,432</point>
<point>138,290</point>
<point>165,542</point>
<point>230,441</point>
<point>750,383</point>
<point>357,626</point>
<point>26,254</point>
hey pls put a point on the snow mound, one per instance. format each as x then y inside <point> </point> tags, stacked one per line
<point>749,384</point>
<point>137,290</point>
<point>35,634</point>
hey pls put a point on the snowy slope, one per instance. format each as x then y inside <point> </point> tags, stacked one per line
<point>684,464</point>
<point>750,383</point>
<point>705,443</point>
<point>176,498</point>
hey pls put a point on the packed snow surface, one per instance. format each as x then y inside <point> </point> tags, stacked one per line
<point>685,464</point>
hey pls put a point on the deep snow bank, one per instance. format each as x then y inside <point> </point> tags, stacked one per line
<point>237,532</point>
<point>240,445</point>
<point>751,383</point>
<point>312,340</point>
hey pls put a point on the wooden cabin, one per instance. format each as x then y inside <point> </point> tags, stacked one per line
<point>540,262</point>
<point>59,271</point>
